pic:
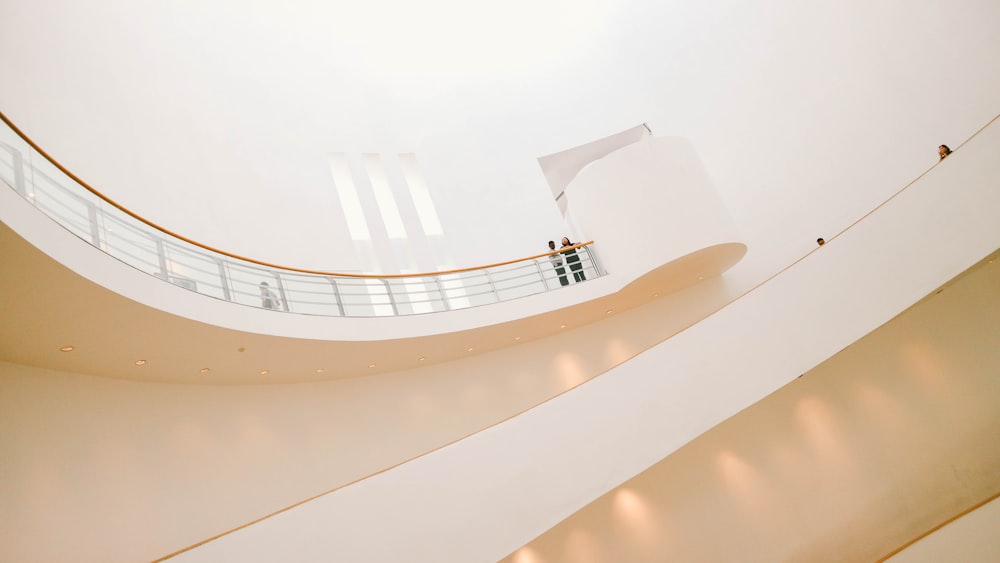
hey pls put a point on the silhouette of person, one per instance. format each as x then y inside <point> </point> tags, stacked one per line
<point>557,263</point>
<point>573,261</point>
<point>820,241</point>
<point>943,152</point>
<point>268,299</point>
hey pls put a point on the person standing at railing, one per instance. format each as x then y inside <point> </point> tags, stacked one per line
<point>573,261</point>
<point>268,299</point>
<point>557,263</point>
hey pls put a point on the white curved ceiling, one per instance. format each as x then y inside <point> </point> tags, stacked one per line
<point>194,113</point>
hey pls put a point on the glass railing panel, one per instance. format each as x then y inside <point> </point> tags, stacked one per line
<point>74,211</point>
<point>467,289</point>
<point>517,280</point>
<point>246,281</point>
<point>366,297</point>
<point>311,294</point>
<point>132,245</point>
<point>189,267</point>
<point>415,296</point>
<point>13,151</point>
<point>10,164</point>
<point>60,199</point>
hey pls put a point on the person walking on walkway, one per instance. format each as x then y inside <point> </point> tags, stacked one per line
<point>268,299</point>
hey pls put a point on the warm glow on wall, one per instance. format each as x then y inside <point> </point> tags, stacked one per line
<point>629,505</point>
<point>822,428</point>
<point>636,515</point>
<point>571,370</point>
<point>527,555</point>
<point>582,547</point>
<point>921,361</point>
<point>736,472</point>
<point>745,483</point>
<point>619,350</point>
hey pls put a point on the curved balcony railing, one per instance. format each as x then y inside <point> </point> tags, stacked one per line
<point>128,237</point>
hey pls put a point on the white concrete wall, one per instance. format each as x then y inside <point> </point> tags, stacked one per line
<point>482,497</point>
<point>887,439</point>
<point>169,465</point>
<point>648,203</point>
<point>100,469</point>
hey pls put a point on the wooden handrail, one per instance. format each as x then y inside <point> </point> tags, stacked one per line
<point>212,249</point>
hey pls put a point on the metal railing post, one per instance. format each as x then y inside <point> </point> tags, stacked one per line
<point>18,164</point>
<point>593,260</point>
<point>444,296</point>
<point>493,287</point>
<point>223,279</point>
<point>336,295</point>
<point>95,229</point>
<point>281,293</point>
<point>388,293</point>
<point>161,257</point>
<point>545,282</point>
<point>227,281</point>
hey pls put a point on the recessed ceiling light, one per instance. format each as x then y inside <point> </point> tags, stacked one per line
<point>320,370</point>
<point>422,358</point>
<point>701,277</point>
<point>609,311</point>
<point>264,372</point>
<point>656,294</point>
<point>468,349</point>
<point>517,338</point>
<point>203,370</point>
<point>67,349</point>
<point>140,362</point>
<point>562,326</point>
<point>371,365</point>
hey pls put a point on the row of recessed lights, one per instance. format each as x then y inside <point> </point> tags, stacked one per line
<point>71,348</point>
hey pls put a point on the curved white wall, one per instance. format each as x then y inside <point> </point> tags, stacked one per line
<point>124,447</point>
<point>888,438</point>
<point>706,226</point>
<point>648,203</point>
<point>150,468</point>
<point>481,498</point>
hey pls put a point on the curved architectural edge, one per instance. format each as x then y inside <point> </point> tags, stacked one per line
<point>886,439</point>
<point>75,254</point>
<point>483,497</point>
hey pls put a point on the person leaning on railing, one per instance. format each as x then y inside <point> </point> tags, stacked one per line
<point>557,263</point>
<point>573,260</point>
